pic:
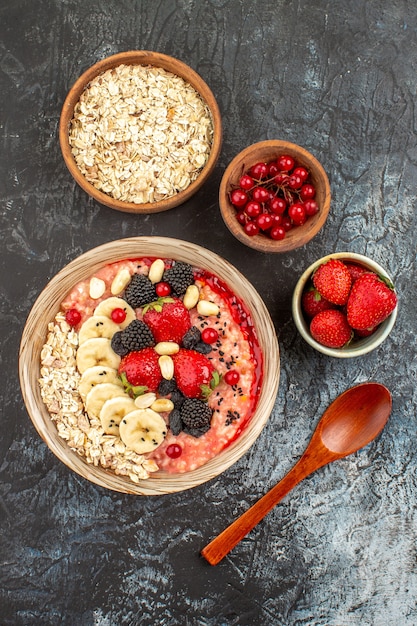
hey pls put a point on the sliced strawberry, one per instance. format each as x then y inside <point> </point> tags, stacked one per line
<point>168,319</point>
<point>371,300</point>
<point>331,329</point>
<point>140,371</point>
<point>194,373</point>
<point>312,302</point>
<point>333,281</point>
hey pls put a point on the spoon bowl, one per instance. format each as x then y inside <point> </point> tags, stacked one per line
<point>352,421</point>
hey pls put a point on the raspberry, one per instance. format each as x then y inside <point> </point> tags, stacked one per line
<point>137,336</point>
<point>195,414</point>
<point>140,291</point>
<point>179,277</point>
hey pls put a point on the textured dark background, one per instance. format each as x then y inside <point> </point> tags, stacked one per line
<point>339,78</point>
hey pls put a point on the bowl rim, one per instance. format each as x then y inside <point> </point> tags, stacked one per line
<point>140,57</point>
<point>362,346</point>
<point>50,299</point>
<point>260,242</point>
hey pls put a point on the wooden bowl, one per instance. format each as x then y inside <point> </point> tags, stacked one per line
<point>48,304</point>
<point>146,58</point>
<point>265,151</point>
<point>357,347</point>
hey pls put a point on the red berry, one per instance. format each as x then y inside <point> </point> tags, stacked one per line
<point>118,316</point>
<point>311,207</point>
<point>246,182</point>
<point>163,289</point>
<point>253,208</point>
<point>168,319</point>
<point>333,281</point>
<point>281,178</point>
<point>173,451</point>
<point>295,181</point>
<point>273,169</point>
<point>355,270</point>
<point>312,302</point>
<point>141,369</point>
<point>297,213</point>
<point>277,233</point>
<point>260,194</point>
<point>232,377</point>
<point>251,229</point>
<point>307,192</point>
<point>209,335</point>
<point>302,172</point>
<point>238,198</point>
<point>331,328</point>
<point>259,170</point>
<point>194,373</point>
<point>264,221</point>
<point>277,205</point>
<point>276,219</point>
<point>285,163</point>
<point>286,223</point>
<point>73,317</point>
<point>241,217</point>
<point>371,300</point>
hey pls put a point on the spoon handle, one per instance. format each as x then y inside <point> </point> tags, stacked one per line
<point>230,537</point>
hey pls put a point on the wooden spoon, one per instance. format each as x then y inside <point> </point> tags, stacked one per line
<point>352,421</point>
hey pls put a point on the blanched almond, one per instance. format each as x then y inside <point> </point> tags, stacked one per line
<point>166,365</point>
<point>191,297</point>
<point>97,288</point>
<point>206,308</point>
<point>145,400</point>
<point>156,271</point>
<point>166,347</point>
<point>120,281</point>
<point>162,405</point>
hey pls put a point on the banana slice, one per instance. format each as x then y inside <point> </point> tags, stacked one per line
<point>97,375</point>
<point>99,394</point>
<point>107,306</point>
<point>113,411</point>
<point>96,351</point>
<point>97,326</point>
<point>142,430</point>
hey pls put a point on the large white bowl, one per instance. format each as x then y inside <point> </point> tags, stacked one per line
<point>48,304</point>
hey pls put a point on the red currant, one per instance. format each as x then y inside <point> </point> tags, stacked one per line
<point>173,451</point>
<point>295,181</point>
<point>285,163</point>
<point>253,208</point>
<point>209,335</point>
<point>73,317</point>
<point>238,198</point>
<point>273,169</point>
<point>241,217</point>
<point>251,229</point>
<point>264,221</point>
<point>246,182</point>
<point>277,233</point>
<point>260,194</point>
<point>311,207</point>
<point>163,289</point>
<point>307,192</point>
<point>232,377</point>
<point>276,219</point>
<point>259,170</point>
<point>281,178</point>
<point>277,205</point>
<point>286,223</point>
<point>297,213</point>
<point>302,172</point>
<point>118,316</point>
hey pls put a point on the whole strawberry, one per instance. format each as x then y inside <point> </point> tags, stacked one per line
<point>371,300</point>
<point>355,270</point>
<point>312,302</point>
<point>140,371</point>
<point>331,328</point>
<point>168,319</point>
<point>194,373</point>
<point>333,281</point>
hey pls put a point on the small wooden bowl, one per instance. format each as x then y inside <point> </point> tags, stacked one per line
<point>358,347</point>
<point>170,64</point>
<point>48,304</point>
<point>265,151</point>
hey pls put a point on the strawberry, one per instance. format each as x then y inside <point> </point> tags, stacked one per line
<point>167,318</point>
<point>194,373</point>
<point>312,302</point>
<point>333,281</point>
<point>355,270</point>
<point>372,299</point>
<point>140,371</point>
<point>331,328</point>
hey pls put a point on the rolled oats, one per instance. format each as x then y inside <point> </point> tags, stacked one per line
<point>140,133</point>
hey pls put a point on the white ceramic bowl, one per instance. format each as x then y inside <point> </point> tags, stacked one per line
<point>48,304</point>
<point>357,347</point>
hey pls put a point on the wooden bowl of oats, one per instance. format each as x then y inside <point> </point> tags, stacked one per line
<point>71,371</point>
<point>140,132</point>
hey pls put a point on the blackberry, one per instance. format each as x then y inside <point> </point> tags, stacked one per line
<point>179,277</point>
<point>175,422</point>
<point>191,338</point>
<point>140,291</point>
<point>196,432</point>
<point>166,386</point>
<point>117,344</point>
<point>137,336</point>
<point>195,414</point>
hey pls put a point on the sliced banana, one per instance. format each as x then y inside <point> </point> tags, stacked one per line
<point>113,411</point>
<point>96,351</point>
<point>142,430</point>
<point>97,375</point>
<point>109,304</point>
<point>97,326</point>
<point>99,395</point>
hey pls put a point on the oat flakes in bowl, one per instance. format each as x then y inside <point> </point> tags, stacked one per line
<point>140,132</point>
<point>157,369</point>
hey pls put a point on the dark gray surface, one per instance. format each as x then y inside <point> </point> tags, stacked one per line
<point>339,78</point>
